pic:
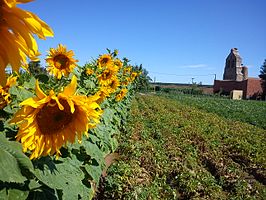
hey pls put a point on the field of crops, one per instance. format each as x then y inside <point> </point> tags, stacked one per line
<point>175,151</point>
<point>252,112</point>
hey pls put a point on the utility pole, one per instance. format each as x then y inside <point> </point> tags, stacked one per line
<point>154,83</point>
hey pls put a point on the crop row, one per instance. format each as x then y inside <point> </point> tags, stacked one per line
<point>249,111</point>
<point>173,151</point>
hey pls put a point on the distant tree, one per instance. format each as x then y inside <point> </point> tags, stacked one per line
<point>143,82</point>
<point>35,68</point>
<point>263,77</point>
<point>38,71</point>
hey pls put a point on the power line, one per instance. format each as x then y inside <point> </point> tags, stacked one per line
<point>182,74</point>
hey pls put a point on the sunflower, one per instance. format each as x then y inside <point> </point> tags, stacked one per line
<point>5,97</point>
<point>104,61</point>
<point>105,76</point>
<point>89,71</point>
<point>121,94</point>
<point>133,76</point>
<point>108,74</point>
<point>114,84</point>
<point>47,122</point>
<point>17,28</point>
<point>11,80</point>
<point>118,63</point>
<point>126,81</point>
<point>127,70</point>
<point>103,93</point>
<point>60,61</point>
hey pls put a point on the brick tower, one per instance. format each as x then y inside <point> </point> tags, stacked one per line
<point>233,67</point>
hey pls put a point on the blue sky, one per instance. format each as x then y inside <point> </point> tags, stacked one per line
<point>175,40</point>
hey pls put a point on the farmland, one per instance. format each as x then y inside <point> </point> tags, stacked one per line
<point>249,111</point>
<point>172,150</point>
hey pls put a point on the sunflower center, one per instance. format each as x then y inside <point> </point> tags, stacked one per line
<point>51,119</point>
<point>61,61</point>
<point>113,84</point>
<point>104,61</point>
<point>106,75</point>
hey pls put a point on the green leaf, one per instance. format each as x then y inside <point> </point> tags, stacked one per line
<point>30,84</point>
<point>95,171</point>
<point>89,84</point>
<point>34,184</point>
<point>10,109</point>
<point>93,138</point>
<point>66,176</point>
<point>94,152</point>
<point>20,93</point>
<point>12,161</point>
<point>13,194</point>
<point>43,193</point>
<point>3,194</point>
<point>42,78</point>
<point>114,144</point>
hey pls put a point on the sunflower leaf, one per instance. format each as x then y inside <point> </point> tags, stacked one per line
<point>66,176</point>
<point>94,152</point>
<point>12,161</point>
<point>13,194</point>
<point>43,193</point>
<point>95,171</point>
<point>20,93</point>
<point>42,78</point>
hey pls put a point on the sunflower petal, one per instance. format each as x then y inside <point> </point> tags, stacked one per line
<point>2,72</point>
<point>38,90</point>
<point>71,88</point>
<point>21,115</point>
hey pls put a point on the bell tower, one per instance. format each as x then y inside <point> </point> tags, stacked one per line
<point>233,67</point>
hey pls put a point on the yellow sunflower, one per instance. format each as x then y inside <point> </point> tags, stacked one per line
<point>89,71</point>
<point>104,61</point>
<point>126,81</point>
<point>60,61</point>
<point>107,75</point>
<point>133,76</point>
<point>121,94</point>
<point>17,28</point>
<point>5,97</point>
<point>47,122</point>
<point>114,84</point>
<point>127,70</point>
<point>118,63</point>
<point>103,93</point>
<point>11,80</point>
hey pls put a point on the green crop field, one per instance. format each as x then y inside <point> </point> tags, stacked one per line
<point>249,111</point>
<point>172,150</point>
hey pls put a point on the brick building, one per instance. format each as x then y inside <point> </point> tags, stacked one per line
<point>236,78</point>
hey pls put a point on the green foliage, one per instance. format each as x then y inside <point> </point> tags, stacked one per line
<point>35,68</point>
<point>263,77</point>
<point>64,175</point>
<point>263,69</point>
<point>193,90</point>
<point>13,161</point>
<point>76,173</point>
<point>175,151</point>
<point>252,112</point>
<point>13,194</point>
<point>143,80</point>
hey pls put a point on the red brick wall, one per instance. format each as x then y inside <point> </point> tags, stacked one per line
<point>228,86</point>
<point>251,87</point>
